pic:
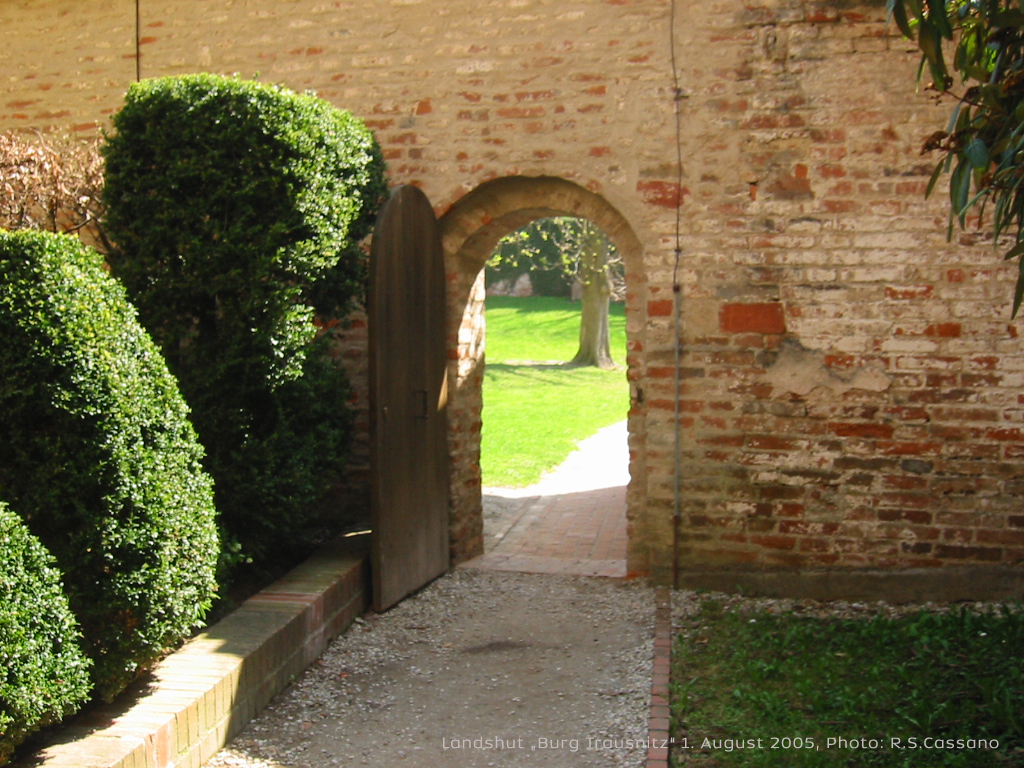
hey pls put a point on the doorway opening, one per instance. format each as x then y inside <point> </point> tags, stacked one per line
<point>471,230</point>
<point>554,455</point>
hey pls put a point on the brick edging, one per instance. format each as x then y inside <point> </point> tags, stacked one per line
<point>658,721</point>
<point>199,697</point>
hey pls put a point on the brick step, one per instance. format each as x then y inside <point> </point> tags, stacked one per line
<point>198,698</point>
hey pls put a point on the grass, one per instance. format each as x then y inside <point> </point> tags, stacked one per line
<point>759,689</point>
<point>535,408</point>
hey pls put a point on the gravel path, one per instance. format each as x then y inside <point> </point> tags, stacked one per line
<point>480,668</point>
<point>554,671</point>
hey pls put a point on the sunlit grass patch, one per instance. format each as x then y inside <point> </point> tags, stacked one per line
<point>537,410</point>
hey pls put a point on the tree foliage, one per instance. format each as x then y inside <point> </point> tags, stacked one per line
<point>583,254</point>
<point>560,243</point>
<point>982,147</point>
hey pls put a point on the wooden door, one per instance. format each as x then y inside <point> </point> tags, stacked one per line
<point>408,398</point>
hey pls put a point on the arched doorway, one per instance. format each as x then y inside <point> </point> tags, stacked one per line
<point>470,230</point>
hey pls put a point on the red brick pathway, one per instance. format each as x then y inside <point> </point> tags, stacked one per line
<point>659,729</point>
<point>582,534</point>
<point>569,523</point>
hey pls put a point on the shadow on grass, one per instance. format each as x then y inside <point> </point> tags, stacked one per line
<point>542,372</point>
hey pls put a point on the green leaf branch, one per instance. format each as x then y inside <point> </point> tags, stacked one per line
<point>982,149</point>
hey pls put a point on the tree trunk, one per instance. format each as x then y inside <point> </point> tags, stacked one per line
<point>596,288</point>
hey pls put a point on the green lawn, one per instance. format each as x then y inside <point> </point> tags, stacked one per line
<point>759,690</point>
<point>535,409</point>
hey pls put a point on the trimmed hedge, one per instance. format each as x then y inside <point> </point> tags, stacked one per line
<point>235,209</point>
<point>98,456</point>
<point>45,674</point>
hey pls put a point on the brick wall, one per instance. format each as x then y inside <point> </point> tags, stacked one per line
<point>850,383</point>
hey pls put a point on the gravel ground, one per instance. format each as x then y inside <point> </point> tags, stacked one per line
<point>554,671</point>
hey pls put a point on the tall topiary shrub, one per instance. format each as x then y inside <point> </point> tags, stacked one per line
<point>235,208</point>
<point>45,674</point>
<point>98,456</point>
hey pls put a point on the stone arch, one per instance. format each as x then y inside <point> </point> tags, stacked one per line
<point>470,229</point>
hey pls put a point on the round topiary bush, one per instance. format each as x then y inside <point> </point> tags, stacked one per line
<point>46,675</point>
<point>98,456</point>
<point>235,209</point>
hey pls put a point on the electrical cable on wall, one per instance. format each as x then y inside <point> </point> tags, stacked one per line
<point>138,43</point>
<point>677,97</point>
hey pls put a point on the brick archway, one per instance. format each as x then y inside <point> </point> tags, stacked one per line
<point>470,230</point>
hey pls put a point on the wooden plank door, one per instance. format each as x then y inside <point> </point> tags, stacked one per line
<point>408,398</point>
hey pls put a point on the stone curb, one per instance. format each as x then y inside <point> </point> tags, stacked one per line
<point>658,721</point>
<point>199,697</point>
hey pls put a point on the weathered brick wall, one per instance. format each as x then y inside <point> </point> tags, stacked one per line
<point>852,392</point>
<point>850,389</point>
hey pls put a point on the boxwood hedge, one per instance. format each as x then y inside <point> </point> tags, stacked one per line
<point>235,209</point>
<point>45,674</point>
<point>98,456</point>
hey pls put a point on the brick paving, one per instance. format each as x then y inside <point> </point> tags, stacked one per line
<point>581,534</point>
<point>659,728</point>
<point>573,522</point>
